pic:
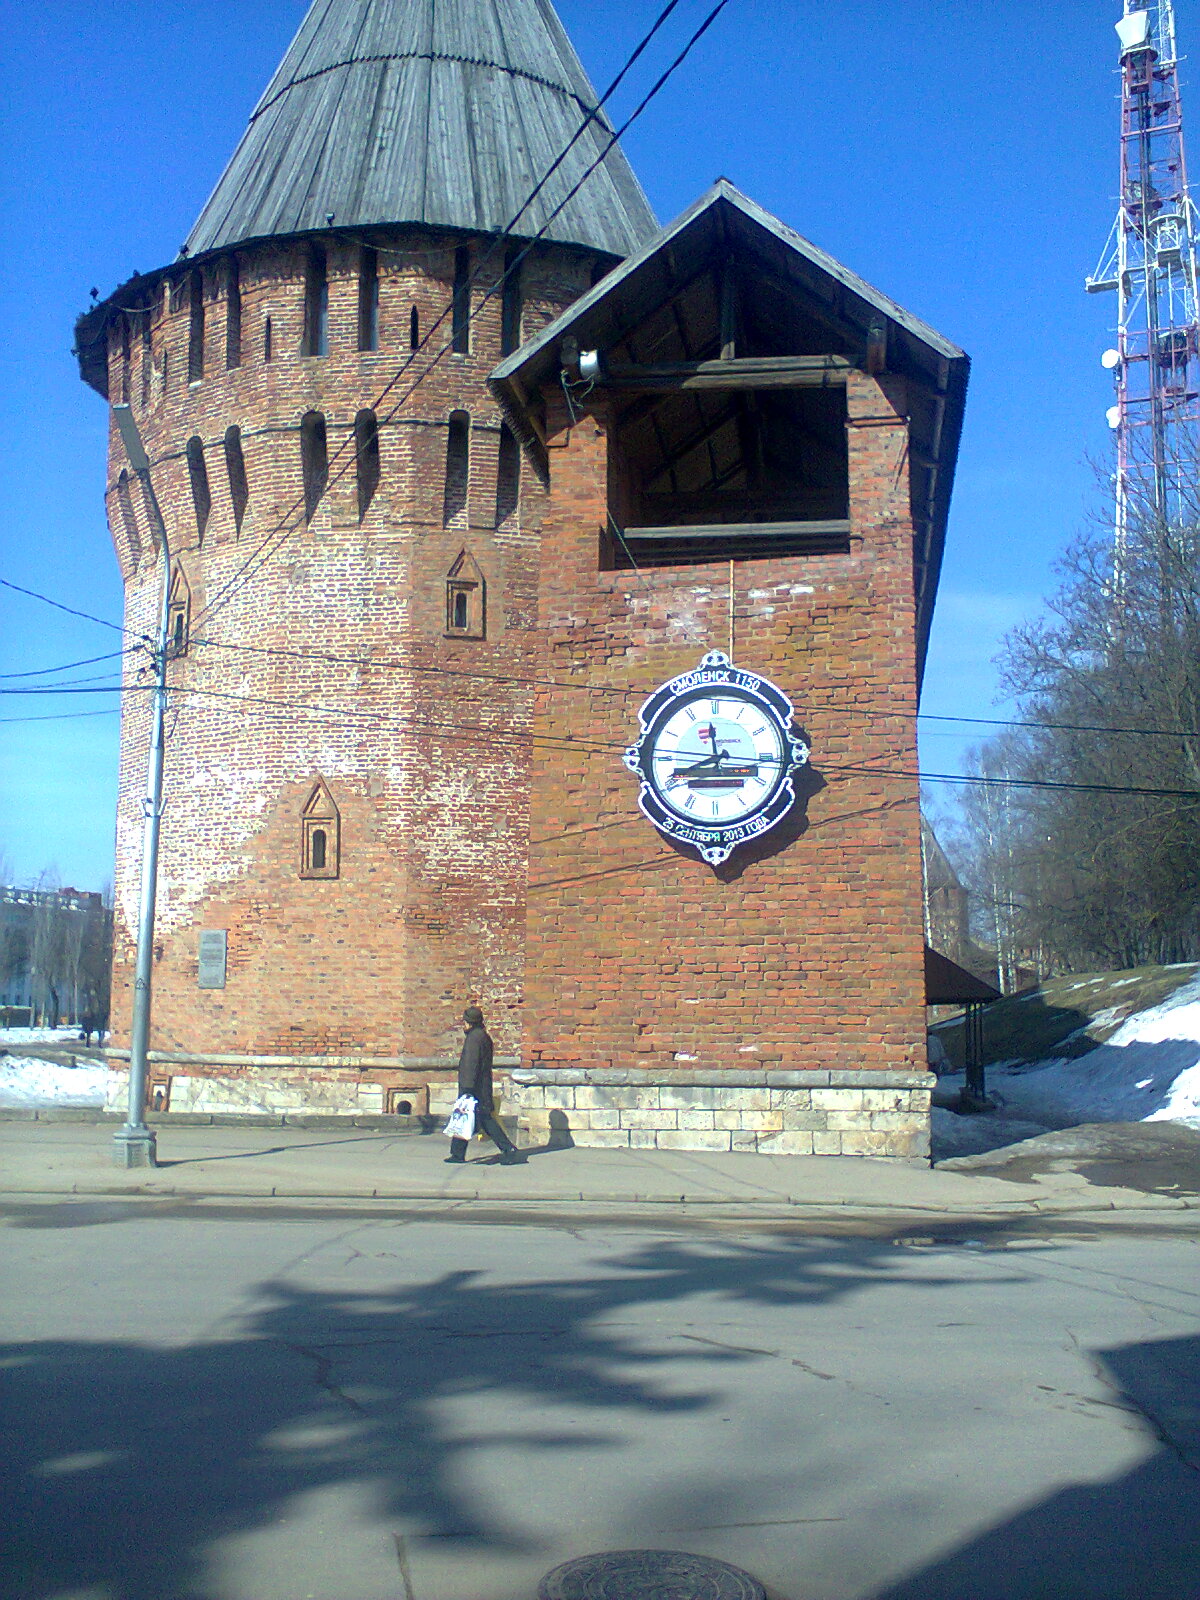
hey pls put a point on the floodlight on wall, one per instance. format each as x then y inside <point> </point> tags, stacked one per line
<point>589,365</point>
<point>1110,359</point>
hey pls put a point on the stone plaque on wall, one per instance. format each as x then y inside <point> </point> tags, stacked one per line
<point>212,958</point>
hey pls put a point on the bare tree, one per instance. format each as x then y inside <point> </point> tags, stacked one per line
<point>1105,870</point>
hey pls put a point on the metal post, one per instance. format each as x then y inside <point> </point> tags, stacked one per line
<point>134,1145</point>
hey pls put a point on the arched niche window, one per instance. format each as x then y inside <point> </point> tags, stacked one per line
<point>458,467</point>
<point>235,466</point>
<point>368,299</point>
<point>314,460</point>
<point>195,327</point>
<point>466,599</point>
<point>316,305</point>
<point>267,339</point>
<point>414,329</point>
<point>129,521</point>
<point>198,477</point>
<point>366,459</point>
<point>165,371</point>
<point>179,613</point>
<point>508,475</point>
<point>233,315</point>
<point>510,302</point>
<point>320,834</point>
<point>460,312</point>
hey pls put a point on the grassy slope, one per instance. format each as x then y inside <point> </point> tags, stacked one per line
<point>1065,1016</point>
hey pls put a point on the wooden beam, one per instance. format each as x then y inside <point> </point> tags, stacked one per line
<point>749,372</point>
<point>745,530</point>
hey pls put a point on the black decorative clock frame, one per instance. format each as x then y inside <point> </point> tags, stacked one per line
<point>716,757</point>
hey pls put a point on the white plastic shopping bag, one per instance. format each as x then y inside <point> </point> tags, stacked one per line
<point>462,1118</point>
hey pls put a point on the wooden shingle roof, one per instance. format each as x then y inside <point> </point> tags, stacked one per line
<point>439,112</point>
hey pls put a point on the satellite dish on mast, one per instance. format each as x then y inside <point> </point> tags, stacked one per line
<point>1113,416</point>
<point>1110,359</point>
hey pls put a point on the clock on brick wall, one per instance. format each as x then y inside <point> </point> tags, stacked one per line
<point>716,757</point>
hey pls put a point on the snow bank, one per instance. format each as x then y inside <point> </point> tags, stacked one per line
<point>26,1081</point>
<point>1148,1071</point>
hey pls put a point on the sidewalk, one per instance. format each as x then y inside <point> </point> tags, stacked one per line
<point>60,1158</point>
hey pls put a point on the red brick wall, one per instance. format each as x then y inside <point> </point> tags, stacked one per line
<point>428,767</point>
<point>811,956</point>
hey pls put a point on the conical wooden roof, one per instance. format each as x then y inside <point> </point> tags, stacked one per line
<point>442,112</point>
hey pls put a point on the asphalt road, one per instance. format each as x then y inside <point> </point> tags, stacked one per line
<point>251,1403</point>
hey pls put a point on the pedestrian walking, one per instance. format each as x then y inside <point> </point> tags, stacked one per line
<point>475,1079</point>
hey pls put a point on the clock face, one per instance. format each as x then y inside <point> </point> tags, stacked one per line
<point>716,757</point>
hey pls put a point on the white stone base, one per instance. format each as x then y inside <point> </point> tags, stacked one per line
<point>774,1113</point>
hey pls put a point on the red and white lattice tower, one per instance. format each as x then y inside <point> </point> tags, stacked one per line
<point>1150,262</point>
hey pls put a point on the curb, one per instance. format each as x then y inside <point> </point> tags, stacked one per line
<point>1157,1205</point>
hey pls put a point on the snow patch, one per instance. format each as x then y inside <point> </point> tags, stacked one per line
<point>26,1081</point>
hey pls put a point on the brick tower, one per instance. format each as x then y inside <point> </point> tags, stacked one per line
<point>420,623</point>
<point>345,804</point>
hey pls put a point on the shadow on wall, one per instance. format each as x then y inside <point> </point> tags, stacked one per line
<point>129,1464</point>
<point>1134,1538</point>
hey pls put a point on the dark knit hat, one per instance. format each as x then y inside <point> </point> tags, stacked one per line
<point>474,1016</point>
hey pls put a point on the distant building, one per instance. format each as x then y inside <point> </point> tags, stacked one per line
<point>438,536</point>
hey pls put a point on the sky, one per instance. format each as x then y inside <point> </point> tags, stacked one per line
<point>961,158</point>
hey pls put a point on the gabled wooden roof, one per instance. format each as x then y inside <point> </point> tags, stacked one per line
<point>800,301</point>
<point>439,112</point>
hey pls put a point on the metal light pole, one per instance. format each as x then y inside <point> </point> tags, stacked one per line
<point>134,1145</point>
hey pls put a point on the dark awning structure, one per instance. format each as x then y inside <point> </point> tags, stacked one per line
<point>948,984</point>
<point>723,347</point>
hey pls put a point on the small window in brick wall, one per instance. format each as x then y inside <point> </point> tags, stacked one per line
<point>320,834</point>
<point>368,299</point>
<point>235,466</point>
<point>126,359</point>
<point>179,609</point>
<point>466,599</point>
<point>147,356</point>
<point>366,459</point>
<point>460,312</point>
<point>508,475</point>
<point>458,466</point>
<point>315,341</point>
<point>198,476</point>
<point>233,315</point>
<point>314,460</point>
<point>195,327</point>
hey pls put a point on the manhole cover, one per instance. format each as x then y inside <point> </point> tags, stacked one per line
<point>648,1575</point>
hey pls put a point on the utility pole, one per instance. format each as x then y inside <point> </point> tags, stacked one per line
<point>134,1145</point>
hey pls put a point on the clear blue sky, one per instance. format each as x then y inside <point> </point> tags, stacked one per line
<point>962,158</point>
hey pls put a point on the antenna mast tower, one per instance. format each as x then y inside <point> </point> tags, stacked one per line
<point>1150,262</point>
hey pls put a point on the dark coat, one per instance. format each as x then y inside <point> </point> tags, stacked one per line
<point>475,1067</point>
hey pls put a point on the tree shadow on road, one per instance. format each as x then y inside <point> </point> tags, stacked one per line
<point>1136,1537</point>
<point>129,1462</point>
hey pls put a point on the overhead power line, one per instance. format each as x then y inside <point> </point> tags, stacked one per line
<point>68,666</point>
<point>475,732</point>
<point>70,610</point>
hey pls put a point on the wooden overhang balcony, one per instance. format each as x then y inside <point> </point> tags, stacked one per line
<point>718,357</point>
